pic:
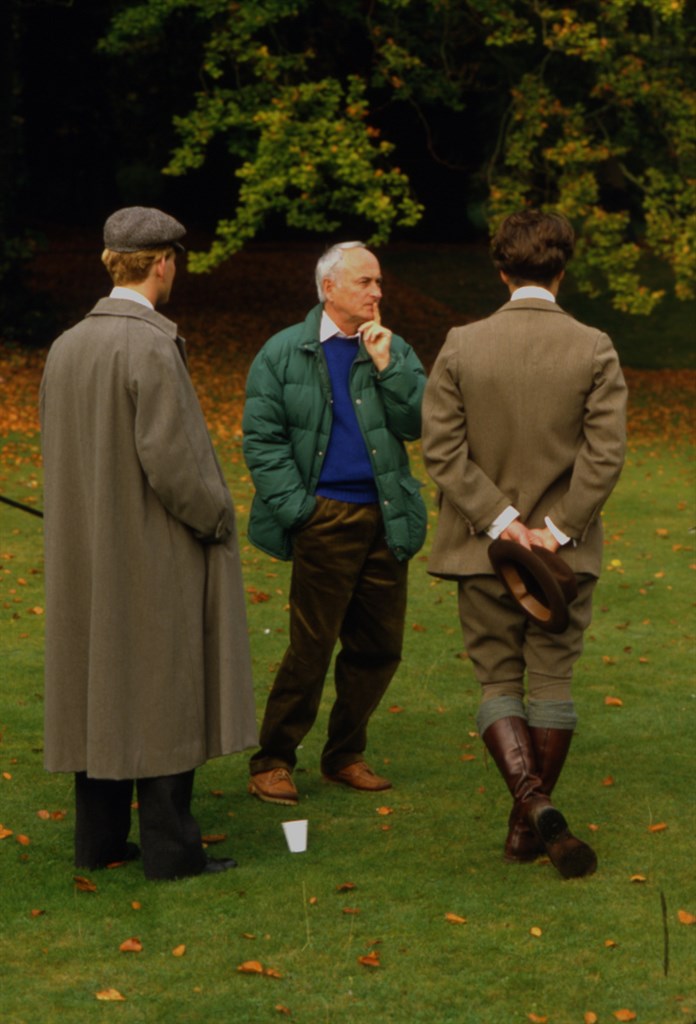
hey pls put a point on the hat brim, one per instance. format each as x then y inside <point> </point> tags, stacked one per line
<point>540,583</point>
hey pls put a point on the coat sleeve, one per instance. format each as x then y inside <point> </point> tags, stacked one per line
<point>172,441</point>
<point>446,454</point>
<point>268,448</point>
<point>601,456</point>
<point>401,386</point>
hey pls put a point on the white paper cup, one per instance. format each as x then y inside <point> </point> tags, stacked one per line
<point>296,835</point>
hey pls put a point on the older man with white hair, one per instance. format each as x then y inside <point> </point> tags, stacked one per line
<point>330,403</point>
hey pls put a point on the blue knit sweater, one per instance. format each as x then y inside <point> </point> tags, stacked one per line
<point>346,473</point>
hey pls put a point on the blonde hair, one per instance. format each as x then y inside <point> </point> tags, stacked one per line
<point>133,267</point>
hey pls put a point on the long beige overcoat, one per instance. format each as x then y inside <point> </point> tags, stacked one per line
<point>525,408</point>
<point>147,652</point>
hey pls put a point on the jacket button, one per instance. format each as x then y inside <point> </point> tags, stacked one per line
<point>386,501</point>
<point>358,401</point>
<point>374,451</point>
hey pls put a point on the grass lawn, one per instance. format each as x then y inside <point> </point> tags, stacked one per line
<point>382,874</point>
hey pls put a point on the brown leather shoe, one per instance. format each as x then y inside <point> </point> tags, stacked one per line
<point>275,787</point>
<point>360,776</point>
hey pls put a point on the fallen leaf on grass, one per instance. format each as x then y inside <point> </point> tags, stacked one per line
<point>345,887</point>
<point>455,919</point>
<point>83,884</point>
<point>467,757</point>
<point>351,910</point>
<point>536,1019</point>
<point>23,840</point>
<point>536,932</point>
<point>251,967</point>
<point>613,702</point>
<point>133,945</point>
<point>179,950</point>
<point>395,709</point>
<point>610,944</point>
<point>659,827</point>
<point>590,1018</point>
<point>624,1015</point>
<point>385,810</point>
<point>638,878</point>
<point>593,828</point>
<point>686,918</point>
<point>5,832</point>
<point>217,838</point>
<point>608,781</point>
<point>7,776</point>
<point>254,967</point>
<point>279,1008</point>
<point>371,960</point>
<point>37,913</point>
<point>111,995</point>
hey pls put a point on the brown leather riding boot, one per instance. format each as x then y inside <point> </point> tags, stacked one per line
<point>550,750</point>
<point>510,744</point>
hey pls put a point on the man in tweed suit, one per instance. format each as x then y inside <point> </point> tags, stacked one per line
<point>524,435</point>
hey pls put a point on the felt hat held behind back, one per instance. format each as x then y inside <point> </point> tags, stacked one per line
<point>538,581</point>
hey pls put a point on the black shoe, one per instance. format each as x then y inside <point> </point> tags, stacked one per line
<point>214,865</point>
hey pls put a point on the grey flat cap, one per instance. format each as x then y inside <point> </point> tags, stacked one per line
<point>142,227</point>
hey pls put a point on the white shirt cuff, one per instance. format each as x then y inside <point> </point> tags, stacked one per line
<point>502,522</point>
<point>561,537</point>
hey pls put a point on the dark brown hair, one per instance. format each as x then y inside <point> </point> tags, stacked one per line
<point>533,246</point>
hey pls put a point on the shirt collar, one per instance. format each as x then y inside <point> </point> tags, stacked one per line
<point>532,291</point>
<point>328,329</point>
<point>119,292</point>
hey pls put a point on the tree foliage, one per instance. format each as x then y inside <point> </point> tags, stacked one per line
<point>326,108</point>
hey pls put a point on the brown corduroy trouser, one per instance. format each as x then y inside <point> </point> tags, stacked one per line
<point>346,586</point>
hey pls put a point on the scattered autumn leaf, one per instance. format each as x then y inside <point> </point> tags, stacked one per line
<point>468,757</point>
<point>271,972</point>
<point>217,838</point>
<point>44,815</point>
<point>345,887</point>
<point>590,1018</point>
<point>455,919</point>
<point>179,950</point>
<point>624,1015</point>
<point>613,702</point>
<point>132,945</point>
<point>5,832</point>
<point>610,944</point>
<point>395,709</point>
<point>417,628</point>
<point>593,828</point>
<point>370,960</point>
<point>83,884</point>
<point>279,1008</point>
<point>536,932</point>
<point>351,910</point>
<point>659,827</point>
<point>608,781</point>
<point>385,810</point>
<point>7,776</point>
<point>37,913</point>
<point>111,995</point>
<point>686,918</point>
<point>638,878</point>
<point>250,967</point>
<point>536,1019</point>
<point>23,840</point>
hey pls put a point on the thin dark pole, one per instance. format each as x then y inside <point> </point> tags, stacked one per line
<point>24,508</point>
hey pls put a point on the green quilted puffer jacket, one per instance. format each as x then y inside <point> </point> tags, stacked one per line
<point>287,423</point>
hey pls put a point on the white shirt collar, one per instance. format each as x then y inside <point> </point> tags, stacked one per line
<point>119,292</point>
<point>532,291</point>
<point>328,329</point>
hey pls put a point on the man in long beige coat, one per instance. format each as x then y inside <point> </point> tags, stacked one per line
<point>147,659</point>
<point>524,435</point>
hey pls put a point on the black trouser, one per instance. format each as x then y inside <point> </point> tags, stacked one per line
<point>170,838</point>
